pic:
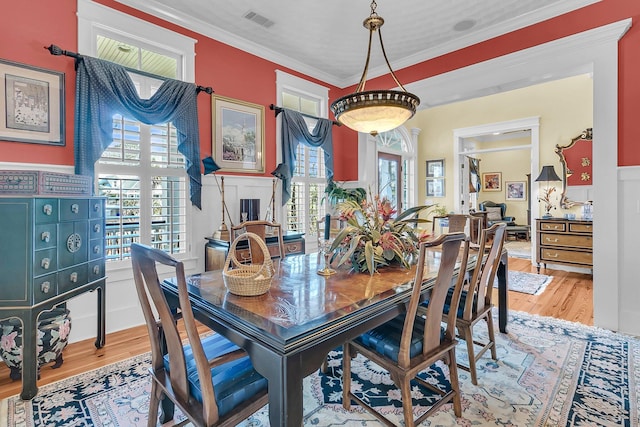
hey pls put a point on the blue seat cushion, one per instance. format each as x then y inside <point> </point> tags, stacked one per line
<point>385,339</point>
<point>234,382</point>
<point>447,302</point>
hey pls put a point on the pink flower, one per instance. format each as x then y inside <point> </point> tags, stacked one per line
<point>64,330</point>
<point>424,236</point>
<point>387,241</point>
<point>386,209</point>
<point>8,341</point>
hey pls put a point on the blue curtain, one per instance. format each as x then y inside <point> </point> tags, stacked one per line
<point>294,132</point>
<point>104,88</point>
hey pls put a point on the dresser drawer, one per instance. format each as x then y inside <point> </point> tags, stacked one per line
<point>74,209</point>
<point>581,228</point>
<point>46,236</point>
<point>72,277</point>
<point>291,248</point>
<point>46,211</point>
<point>45,287</point>
<point>96,270</point>
<point>559,255</point>
<point>577,241</point>
<point>553,226</point>
<point>45,262</point>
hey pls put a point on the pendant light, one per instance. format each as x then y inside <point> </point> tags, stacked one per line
<point>375,111</point>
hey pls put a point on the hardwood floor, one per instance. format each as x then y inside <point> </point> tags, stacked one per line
<point>569,297</point>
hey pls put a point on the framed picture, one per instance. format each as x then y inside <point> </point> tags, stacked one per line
<point>515,190</point>
<point>435,187</point>
<point>435,168</point>
<point>32,104</point>
<point>492,181</point>
<point>238,134</point>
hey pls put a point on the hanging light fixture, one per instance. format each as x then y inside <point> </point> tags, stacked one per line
<point>375,111</point>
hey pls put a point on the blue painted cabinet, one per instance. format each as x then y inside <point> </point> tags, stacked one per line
<point>51,249</point>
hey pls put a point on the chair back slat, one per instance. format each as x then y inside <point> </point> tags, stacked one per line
<point>481,284</point>
<point>450,251</point>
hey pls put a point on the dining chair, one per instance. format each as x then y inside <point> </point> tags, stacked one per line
<point>475,302</point>
<point>211,380</point>
<point>411,342</point>
<point>262,229</point>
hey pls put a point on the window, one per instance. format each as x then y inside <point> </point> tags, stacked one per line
<point>307,203</point>
<point>141,173</point>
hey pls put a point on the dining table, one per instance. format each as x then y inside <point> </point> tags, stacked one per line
<point>288,331</point>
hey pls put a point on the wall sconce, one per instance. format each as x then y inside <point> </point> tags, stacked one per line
<point>210,167</point>
<point>547,174</point>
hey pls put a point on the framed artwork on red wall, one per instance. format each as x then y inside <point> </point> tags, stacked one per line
<point>238,134</point>
<point>31,104</point>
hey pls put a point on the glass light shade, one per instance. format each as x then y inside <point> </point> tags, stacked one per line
<point>374,112</point>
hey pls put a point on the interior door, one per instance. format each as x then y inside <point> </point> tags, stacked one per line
<point>390,178</point>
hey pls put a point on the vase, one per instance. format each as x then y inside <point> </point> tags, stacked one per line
<point>53,335</point>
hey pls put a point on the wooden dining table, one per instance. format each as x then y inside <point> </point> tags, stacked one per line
<point>289,330</point>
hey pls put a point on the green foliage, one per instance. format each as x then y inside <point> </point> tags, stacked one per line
<point>336,194</point>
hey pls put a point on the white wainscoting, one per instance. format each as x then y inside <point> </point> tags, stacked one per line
<point>629,222</point>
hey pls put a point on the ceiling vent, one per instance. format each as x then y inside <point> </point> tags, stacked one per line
<point>259,19</point>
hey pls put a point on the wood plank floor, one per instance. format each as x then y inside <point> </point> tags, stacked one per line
<point>569,297</point>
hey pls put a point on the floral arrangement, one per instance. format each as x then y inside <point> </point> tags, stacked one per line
<point>373,238</point>
<point>546,199</point>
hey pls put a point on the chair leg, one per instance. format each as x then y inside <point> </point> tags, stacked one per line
<point>407,402</point>
<point>468,337</point>
<point>154,403</point>
<point>492,336</point>
<point>346,376</point>
<point>455,384</point>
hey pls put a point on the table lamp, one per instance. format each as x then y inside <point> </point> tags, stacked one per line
<point>547,174</point>
<point>210,167</point>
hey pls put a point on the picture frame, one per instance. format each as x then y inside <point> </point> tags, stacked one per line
<point>238,134</point>
<point>435,168</point>
<point>492,181</point>
<point>515,190</point>
<point>31,104</point>
<point>435,187</point>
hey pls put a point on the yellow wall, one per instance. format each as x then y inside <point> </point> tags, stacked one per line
<point>565,108</point>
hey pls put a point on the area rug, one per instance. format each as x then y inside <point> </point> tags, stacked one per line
<point>549,373</point>
<point>518,248</point>
<point>527,283</point>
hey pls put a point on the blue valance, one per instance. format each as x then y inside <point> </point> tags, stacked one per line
<point>104,88</point>
<point>294,132</point>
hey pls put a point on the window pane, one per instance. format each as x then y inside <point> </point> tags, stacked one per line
<point>299,170</point>
<point>122,213</point>
<point>168,219</point>
<point>164,147</point>
<point>118,52</point>
<point>158,64</point>
<point>296,209</point>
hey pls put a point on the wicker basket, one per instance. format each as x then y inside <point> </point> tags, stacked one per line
<point>248,279</point>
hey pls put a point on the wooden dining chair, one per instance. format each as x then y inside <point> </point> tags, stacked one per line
<point>262,229</point>
<point>475,302</point>
<point>412,341</point>
<point>211,380</point>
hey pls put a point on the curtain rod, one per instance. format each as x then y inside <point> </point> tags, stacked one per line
<point>56,50</point>
<point>278,110</point>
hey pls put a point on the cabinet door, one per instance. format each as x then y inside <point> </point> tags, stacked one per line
<point>15,251</point>
<point>73,243</point>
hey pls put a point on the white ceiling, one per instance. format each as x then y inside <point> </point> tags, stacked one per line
<point>326,40</point>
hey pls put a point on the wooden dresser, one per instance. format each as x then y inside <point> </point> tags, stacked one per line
<point>564,241</point>
<point>216,250</point>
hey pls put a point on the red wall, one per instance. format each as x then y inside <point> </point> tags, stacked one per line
<point>28,26</point>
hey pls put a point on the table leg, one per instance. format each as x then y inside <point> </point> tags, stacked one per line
<point>285,378</point>
<point>100,335</point>
<point>503,286</point>
<point>29,355</point>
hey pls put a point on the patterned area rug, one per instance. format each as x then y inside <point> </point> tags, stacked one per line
<point>518,248</point>
<point>528,283</point>
<point>549,373</point>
